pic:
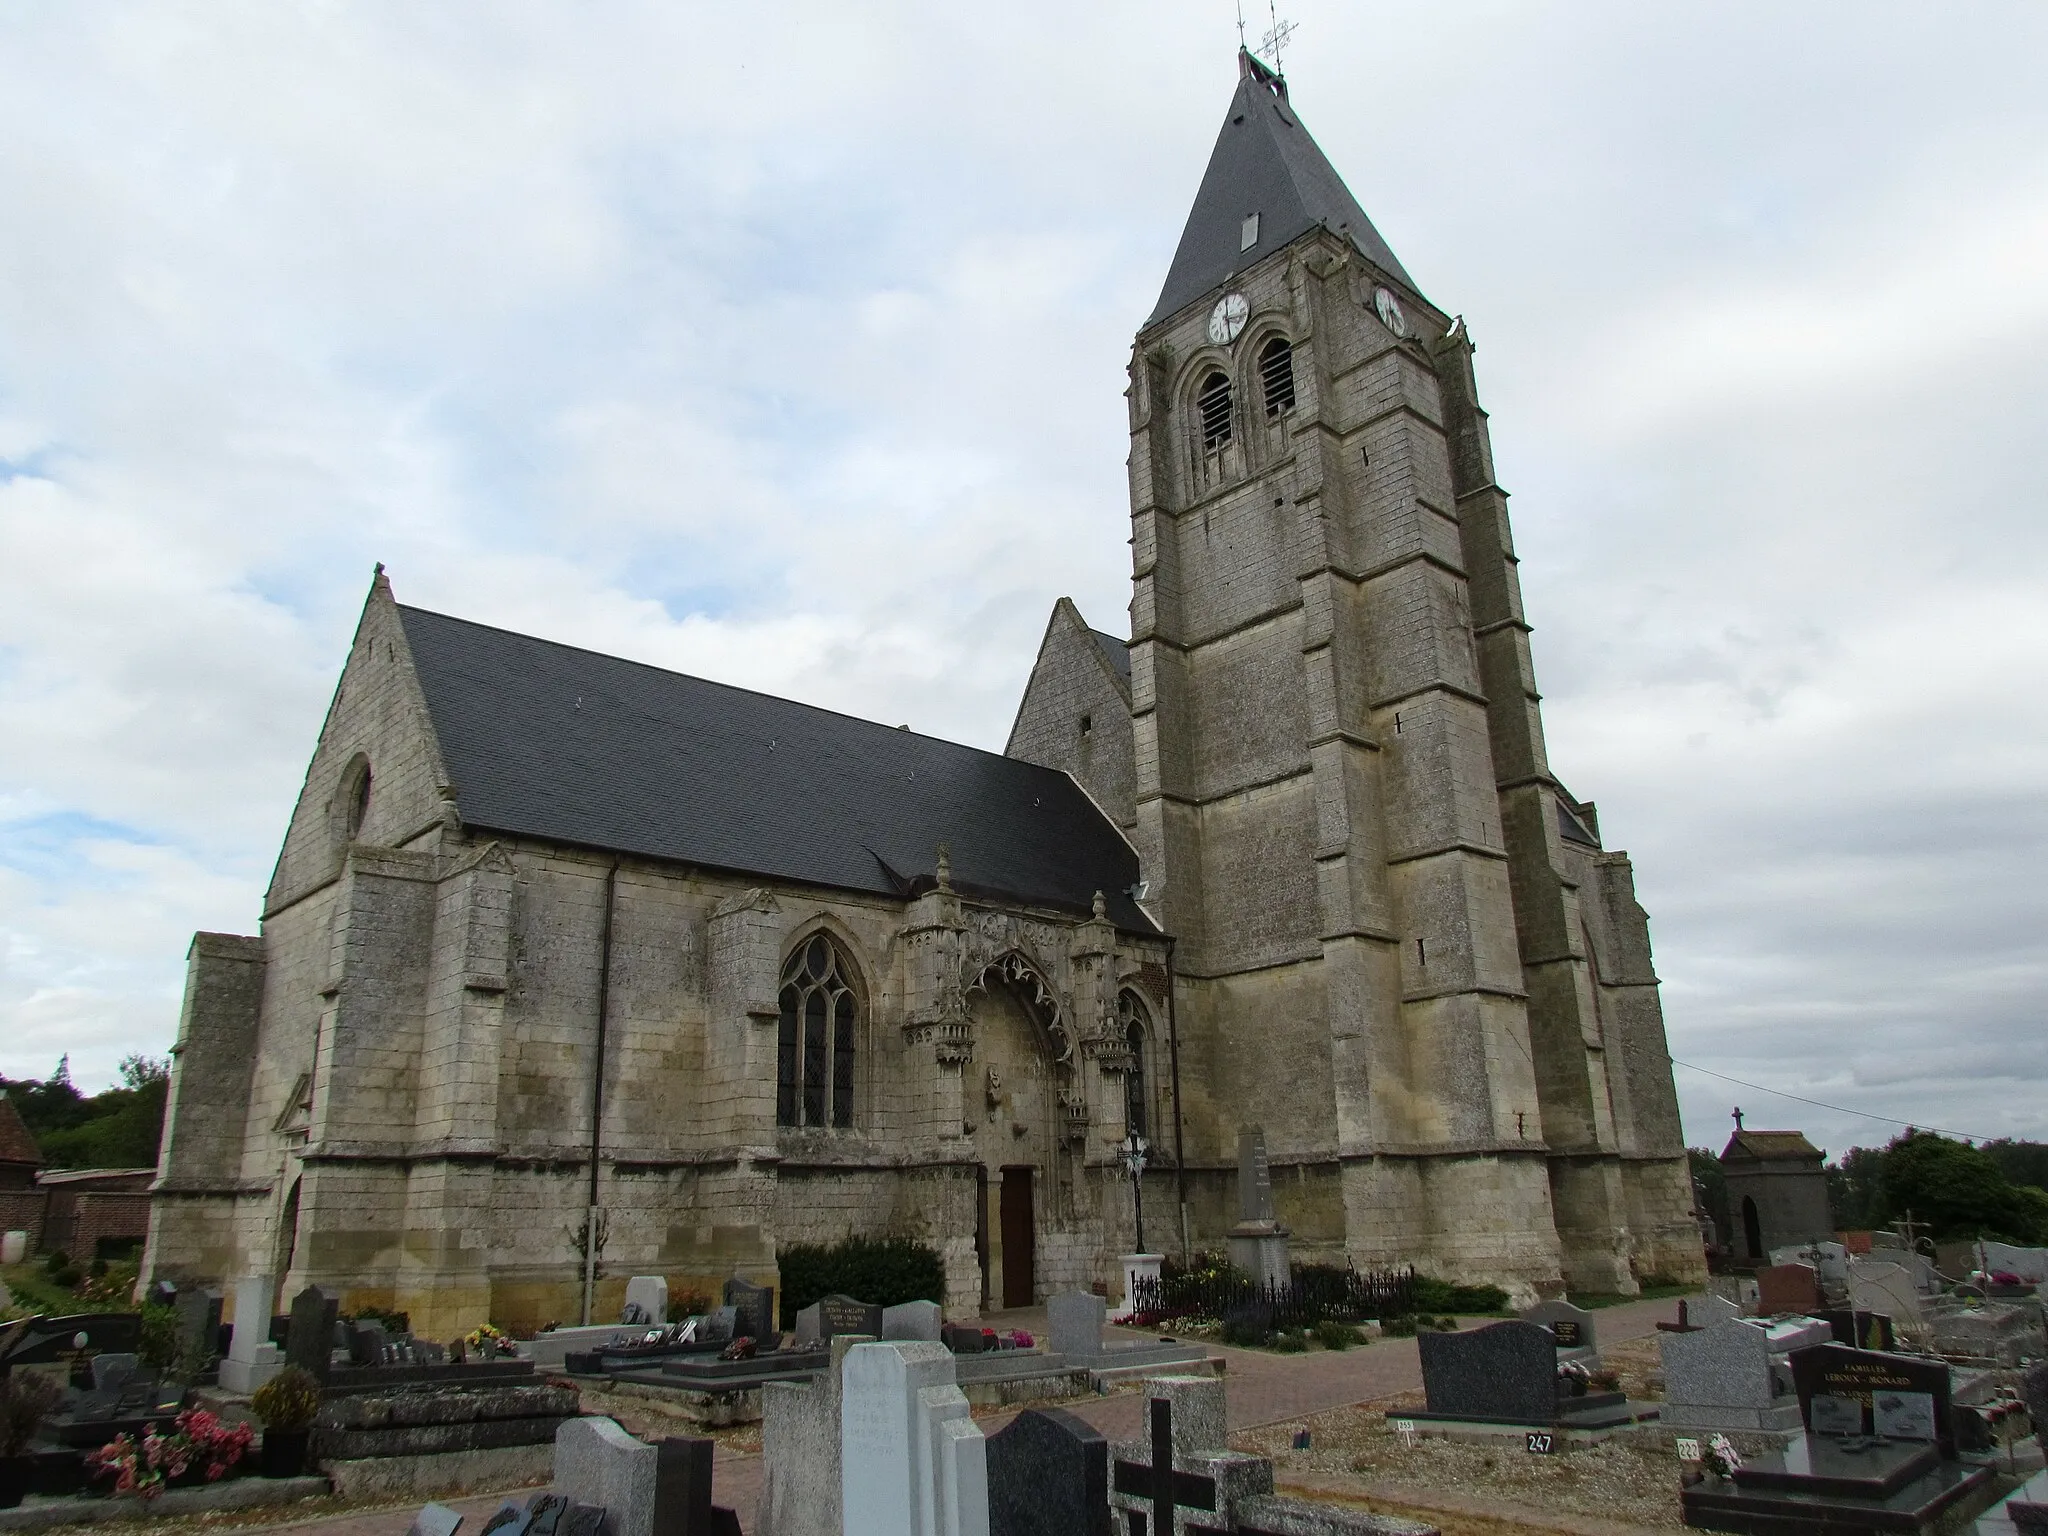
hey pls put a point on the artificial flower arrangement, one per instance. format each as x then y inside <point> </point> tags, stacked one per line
<point>197,1439</point>
<point>1722,1459</point>
<point>487,1341</point>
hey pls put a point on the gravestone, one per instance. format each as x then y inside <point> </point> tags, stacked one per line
<point>1787,1288</point>
<point>581,1520</point>
<point>310,1343</point>
<point>1828,1260</point>
<point>753,1314</point>
<point>963,1338</point>
<point>833,1315</point>
<point>646,1301</point>
<point>1074,1322</point>
<point>1258,1243</point>
<point>112,1372</point>
<point>912,1461</point>
<point>2030,1264</point>
<point>2003,1333</point>
<point>1048,1475</point>
<point>544,1512</point>
<point>1571,1326</point>
<point>435,1520</point>
<point>682,1492</point>
<point>1507,1373</point>
<point>1713,1308</point>
<point>1859,1330</point>
<point>1878,1285</point>
<point>913,1320</point>
<point>1731,1376</point>
<point>198,1326</point>
<point>1849,1392</point>
<point>598,1463</point>
<point>718,1325</point>
<point>800,1484</point>
<point>508,1519</point>
<point>1181,1477</point>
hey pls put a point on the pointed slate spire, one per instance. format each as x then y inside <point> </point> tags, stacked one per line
<point>1264,166</point>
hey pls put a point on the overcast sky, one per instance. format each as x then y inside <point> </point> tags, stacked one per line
<point>785,344</point>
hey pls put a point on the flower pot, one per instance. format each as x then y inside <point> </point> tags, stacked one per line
<point>284,1452</point>
<point>15,1475</point>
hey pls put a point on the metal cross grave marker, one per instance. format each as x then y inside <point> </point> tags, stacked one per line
<point>1167,1489</point>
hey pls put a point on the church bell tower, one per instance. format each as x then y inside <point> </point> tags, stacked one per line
<point>1342,801</point>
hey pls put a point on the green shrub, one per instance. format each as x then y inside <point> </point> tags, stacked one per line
<point>1290,1343</point>
<point>68,1276</point>
<point>394,1322</point>
<point>1438,1296</point>
<point>289,1400</point>
<point>882,1272</point>
<point>1398,1327</point>
<point>55,1260</point>
<point>158,1346</point>
<point>1332,1334</point>
<point>1249,1328</point>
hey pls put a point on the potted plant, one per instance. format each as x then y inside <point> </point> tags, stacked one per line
<point>287,1404</point>
<point>25,1396</point>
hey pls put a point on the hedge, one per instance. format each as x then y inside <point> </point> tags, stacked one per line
<point>880,1271</point>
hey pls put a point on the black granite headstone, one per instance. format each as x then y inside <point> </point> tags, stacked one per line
<point>582,1520</point>
<point>1860,1330</point>
<point>310,1343</point>
<point>198,1324</point>
<point>1505,1371</point>
<point>366,1343</point>
<point>1048,1475</point>
<point>508,1520</point>
<point>71,1340</point>
<point>1837,1384</point>
<point>682,1491</point>
<point>962,1338</point>
<point>842,1314</point>
<point>753,1309</point>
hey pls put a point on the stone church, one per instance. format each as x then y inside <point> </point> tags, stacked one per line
<point>572,968</point>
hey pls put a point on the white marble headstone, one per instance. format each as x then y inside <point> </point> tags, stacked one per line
<point>646,1300</point>
<point>912,1462</point>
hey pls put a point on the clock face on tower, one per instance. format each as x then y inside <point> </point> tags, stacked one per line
<point>1389,309</point>
<point>1227,319</point>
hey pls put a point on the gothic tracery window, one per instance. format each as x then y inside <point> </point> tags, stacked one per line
<point>814,1041</point>
<point>1212,405</point>
<point>1276,375</point>
<point>1130,1016</point>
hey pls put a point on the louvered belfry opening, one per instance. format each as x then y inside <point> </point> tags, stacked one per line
<point>814,1039</point>
<point>1276,375</point>
<point>1212,404</point>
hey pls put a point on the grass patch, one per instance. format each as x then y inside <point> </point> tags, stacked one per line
<point>35,1291</point>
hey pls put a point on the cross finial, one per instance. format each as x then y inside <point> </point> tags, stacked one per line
<point>1275,40</point>
<point>945,869</point>
<point>1738,1117</point>
<point>1240,24</point>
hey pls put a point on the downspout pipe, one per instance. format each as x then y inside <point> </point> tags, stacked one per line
<point>1180,1161</point>
<point>604,1000</point>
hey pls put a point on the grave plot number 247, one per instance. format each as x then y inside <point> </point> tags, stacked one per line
<point>1541,1442</point>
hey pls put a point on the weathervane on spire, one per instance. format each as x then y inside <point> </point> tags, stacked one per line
<point>1275,40</point>
<point>1240,26</point>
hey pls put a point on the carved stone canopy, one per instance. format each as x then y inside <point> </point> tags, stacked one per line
<point>1021,975</point>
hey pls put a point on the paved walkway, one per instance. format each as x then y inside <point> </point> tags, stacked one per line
<point>1264,1389</point>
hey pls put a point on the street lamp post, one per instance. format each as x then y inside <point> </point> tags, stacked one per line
<point>1133,1149</point>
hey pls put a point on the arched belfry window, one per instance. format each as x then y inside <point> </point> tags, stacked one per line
<point>814,1039</point>
<point>1212,405</point>
<point>1276,375</point>
<point>1130,1017</point>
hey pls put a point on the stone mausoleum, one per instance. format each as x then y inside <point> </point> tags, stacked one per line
<point>560,945</point>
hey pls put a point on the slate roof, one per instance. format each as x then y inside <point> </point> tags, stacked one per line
<point>1266,163</point>
<point>1118,653</point>
<point>1571,829</point>
<point>549,741</point>
<point>16,1144</point>
<point>1770,1145</point>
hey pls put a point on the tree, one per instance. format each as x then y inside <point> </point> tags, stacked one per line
<point>2022,1162</point>
<point>120,1128</point>
<point>1958,1190</point>
<point>1854,1182</point>
<point>1710,1188</point>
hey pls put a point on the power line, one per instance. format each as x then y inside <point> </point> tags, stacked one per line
<point>1840,1109</point>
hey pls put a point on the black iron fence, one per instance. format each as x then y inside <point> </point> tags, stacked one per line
<point>1314,1295</point>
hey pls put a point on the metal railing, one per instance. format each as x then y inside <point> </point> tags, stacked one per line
<point>1312,1296</point>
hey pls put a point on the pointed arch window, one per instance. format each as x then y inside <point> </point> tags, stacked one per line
<point>1212,405</point>
<point>1131,1019</point>
<point>814,1042</point>
<point>1276,375</point>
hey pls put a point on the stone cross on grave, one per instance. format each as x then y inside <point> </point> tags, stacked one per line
<point>1166,1489</point>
